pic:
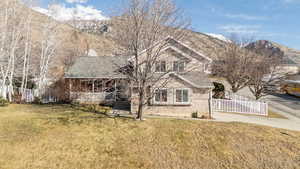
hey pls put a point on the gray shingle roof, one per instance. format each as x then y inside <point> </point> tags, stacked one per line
<point>96,67</point>
<point>197,79</point>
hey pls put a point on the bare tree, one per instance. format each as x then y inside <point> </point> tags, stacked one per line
<point>142,24</point>
<point>265,74</point>
<point>47,47</point>
<point>15,43</point>
<point>234,62</point>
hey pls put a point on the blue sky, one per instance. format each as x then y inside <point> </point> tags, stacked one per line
<point>276,20</point>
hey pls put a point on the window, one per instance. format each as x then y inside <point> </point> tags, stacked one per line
<point>207,68</point>
<point>178,66</point>
<point>86,85</point>
<point>182,96</point>
<point>98,86</point>
<point>160,66</point>
<point>161,96</point>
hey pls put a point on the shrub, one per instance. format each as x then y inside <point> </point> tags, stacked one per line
<point>37,100</point>
<point>195,115</point>
<point>3,102</point>
<point>219,90</point>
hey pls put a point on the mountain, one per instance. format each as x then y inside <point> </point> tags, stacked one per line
<point>266,47</point>
<point>71,42</point>
<point>289,56</point>
<point>79,12</point>
<point>98,35</point>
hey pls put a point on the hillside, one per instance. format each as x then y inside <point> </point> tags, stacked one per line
<point>100,38</point>
<point>290,53</point>
<point>64,137</point>
<point>289,56</point>
<point>98,35</point>
<point>71,41</point>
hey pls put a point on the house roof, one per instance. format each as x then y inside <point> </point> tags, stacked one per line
<point>294,79</point>
<point>96,67</point>
<point>179,46</point>
<point>195,79</point>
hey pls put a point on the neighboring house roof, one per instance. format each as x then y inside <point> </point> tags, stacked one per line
<point>293,79</point>
<point>96,67</point>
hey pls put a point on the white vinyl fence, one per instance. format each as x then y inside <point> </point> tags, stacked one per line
<point>233,96</point>
<point>28,95</point>
<point>240,106</point>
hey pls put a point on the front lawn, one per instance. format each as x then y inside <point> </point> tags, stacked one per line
<point>64,137</point>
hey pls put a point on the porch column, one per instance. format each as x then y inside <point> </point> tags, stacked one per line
<point>93,90</point>
<point>93,86</point>
<point>70,88</point>
<point>115,90</point>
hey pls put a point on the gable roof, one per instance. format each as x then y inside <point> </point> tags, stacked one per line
<point>195,79</point>
<point>96,67</point>
<point>188,50</point>
<point>179,46</point>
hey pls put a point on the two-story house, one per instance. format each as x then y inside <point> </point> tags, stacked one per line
<point>187,89</point>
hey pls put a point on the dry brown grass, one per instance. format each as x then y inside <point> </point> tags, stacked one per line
<point>62,137</point>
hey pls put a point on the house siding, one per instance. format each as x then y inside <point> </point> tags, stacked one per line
<point>199,101</point>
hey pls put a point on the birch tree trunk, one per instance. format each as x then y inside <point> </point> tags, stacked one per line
<point>48,45</point>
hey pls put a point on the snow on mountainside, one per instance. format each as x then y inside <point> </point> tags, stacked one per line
<point>218,36</point>
<point>79,12</point>
<point>85,18</point>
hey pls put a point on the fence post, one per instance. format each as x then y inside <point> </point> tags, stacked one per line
<point>267,109</point>
<point>210,105</point>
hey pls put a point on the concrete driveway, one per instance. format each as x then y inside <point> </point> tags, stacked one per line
<point>284,102</point>
<point>291,123</point>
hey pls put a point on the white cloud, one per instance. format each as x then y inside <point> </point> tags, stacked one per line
<point>62,13</point>
<point>245,17</point>
<point>240,29</point>
<point>77,1</point>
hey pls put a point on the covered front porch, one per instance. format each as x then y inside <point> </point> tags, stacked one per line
<point>98,91</point>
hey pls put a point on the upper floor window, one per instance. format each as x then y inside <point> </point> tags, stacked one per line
<point>161,66</point>
<point>178,66</point>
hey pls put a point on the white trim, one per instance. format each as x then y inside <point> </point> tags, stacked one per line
<point>183,44</point>
<point>177,50</point>
<point>187,56</point>
<point>201,54</point>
